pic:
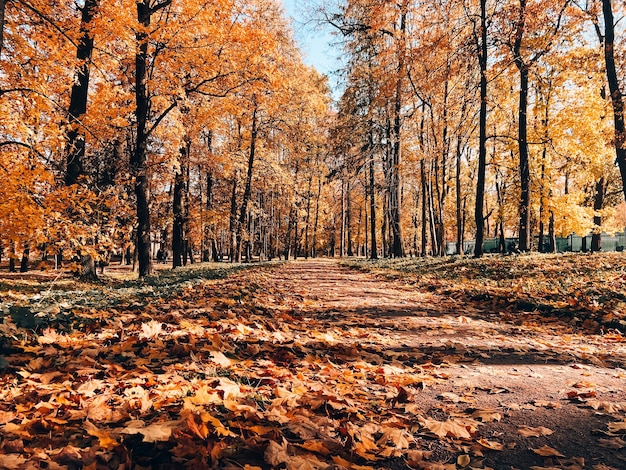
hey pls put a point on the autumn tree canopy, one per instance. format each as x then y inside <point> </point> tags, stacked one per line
<point>169,130</point>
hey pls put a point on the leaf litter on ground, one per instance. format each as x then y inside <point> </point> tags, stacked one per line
<point>303,365</point>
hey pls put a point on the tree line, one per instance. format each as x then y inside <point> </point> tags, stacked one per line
<point>195,129</point>
<point>465,118</point>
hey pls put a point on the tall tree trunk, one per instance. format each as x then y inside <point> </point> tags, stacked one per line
<point>349,247</point>
<point>317,216</point>
<point>78,98</point>
<point>233,221</point>
<point>479,214</point>
<point>617,96</point>
<point>178,209</point>
<point>459,209</point>
<point>524,159</point>
<point>342,240</point>
<point>243,210</point>
<point>524,163</point>
<point>307,222</point>
<point>395,219</point>
<point>3,4</point>
<point>372,194</point>
<point>424,207</point>
<point>138,160</point>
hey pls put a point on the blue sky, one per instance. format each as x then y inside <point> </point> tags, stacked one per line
<point>315,44</point>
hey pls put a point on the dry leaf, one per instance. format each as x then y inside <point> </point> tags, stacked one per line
<point>613,443</point>
<point>491,445</point>
<point>155,432</point>
<point>547,451</point>
<point>528,431</point>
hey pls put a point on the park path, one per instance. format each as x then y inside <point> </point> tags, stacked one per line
<point>490,360</point>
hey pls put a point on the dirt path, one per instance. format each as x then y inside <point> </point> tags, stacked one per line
<point>303,365</point>
<point>528,374</point>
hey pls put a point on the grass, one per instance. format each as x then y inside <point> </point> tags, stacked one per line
<point>588,288</point>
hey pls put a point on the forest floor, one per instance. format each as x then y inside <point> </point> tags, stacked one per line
<point>503,363</point>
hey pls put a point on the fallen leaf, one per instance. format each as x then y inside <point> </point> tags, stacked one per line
<point>487,416</point>
<point>276,454</point>
<point>104,437</point>
<point>528,431</point>
<point>491,445</point>
<point>449,428</point>
<point>547,451</point>
<point>613,443</point>
<point>155,432</point>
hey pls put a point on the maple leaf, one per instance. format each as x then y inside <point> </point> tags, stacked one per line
<point>219,358</point>
<point>151,330</point>
<point>449,428</point>
<point>155,432</point>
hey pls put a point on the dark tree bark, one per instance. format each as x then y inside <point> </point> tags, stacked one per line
<point>139,157</point>
<point>25,256</point>
<point>617,95</point>
<point>459,198</point>
<point>317,217</point>
<point>397,250</point>
<point>598,204</point>
<point>479,213</point>
<point>233,221</point>
<point>178,209</point>
<point>138,161</point>
<point>247,192</point>
<point>3,4</point>
<point>78,98</point>
<point>524,160</point>
<point>372,194</point>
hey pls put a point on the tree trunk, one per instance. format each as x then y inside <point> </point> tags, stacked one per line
<point>524,163</point>
<point>482,144</point>
<point>3,4</point>
<point>78,98</point>
<point>178,248</point>
<point>552,233</point>
<point>459,210</point>
<point>25,256</point>
<point>138,159</point>
<point>524,159</point>
<point>598,204</point>
<point>248,187</point>
<point>372,194</point>
<point>395,218</point>
<point>349,247</point>
<point>88,269</point>
<point>617,96</point>
<point>233,221</point>
<point>307,225</point>
<point>317,216</point>
<point>424,207</point>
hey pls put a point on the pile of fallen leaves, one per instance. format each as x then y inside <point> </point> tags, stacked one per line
<point>237,373</point>
<point>586,290</point>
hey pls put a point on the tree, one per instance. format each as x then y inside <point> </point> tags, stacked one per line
<point>615,89</point>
